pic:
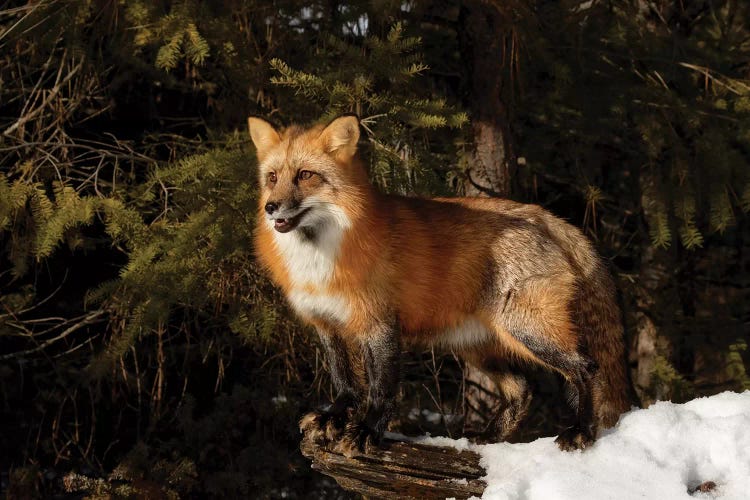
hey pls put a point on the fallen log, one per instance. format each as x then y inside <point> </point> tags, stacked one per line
<point>402,469</point>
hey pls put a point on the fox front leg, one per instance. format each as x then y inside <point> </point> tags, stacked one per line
<point>380,352</point>
<point>323,426</point>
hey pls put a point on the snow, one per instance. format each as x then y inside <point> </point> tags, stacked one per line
<point>662,452</point>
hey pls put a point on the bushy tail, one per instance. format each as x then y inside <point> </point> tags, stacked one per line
<point>600,321</point>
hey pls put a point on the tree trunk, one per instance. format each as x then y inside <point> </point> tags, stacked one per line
<point>402,470</point>
<point>647,342</point>
<point>483,34</point>
<point>644,350</point>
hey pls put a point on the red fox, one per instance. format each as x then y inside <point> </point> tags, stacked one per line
<point>499,282</point>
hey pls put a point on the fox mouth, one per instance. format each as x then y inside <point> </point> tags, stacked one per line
<point>286,225</point>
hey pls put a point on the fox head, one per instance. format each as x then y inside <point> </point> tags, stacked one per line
<point>307,176</point>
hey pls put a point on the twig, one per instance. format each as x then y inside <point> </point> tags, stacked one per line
<point>88,319</point>
<point>52,94</point>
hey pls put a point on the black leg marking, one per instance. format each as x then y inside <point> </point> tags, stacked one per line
<point>327,425</point>
<point>380,351</point>
<point>578,371</point>
<point>342,372</point>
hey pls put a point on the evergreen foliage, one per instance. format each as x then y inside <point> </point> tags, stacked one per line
<point>647,102</point>
<point>677,86</point>
<point>375,80</point>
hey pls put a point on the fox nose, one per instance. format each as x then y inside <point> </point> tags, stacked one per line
<point>271,207</point>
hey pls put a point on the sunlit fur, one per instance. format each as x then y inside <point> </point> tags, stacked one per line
<point>479,276</point>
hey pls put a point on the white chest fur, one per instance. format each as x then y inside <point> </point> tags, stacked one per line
<point>320,305</point>
<point>310,261</point>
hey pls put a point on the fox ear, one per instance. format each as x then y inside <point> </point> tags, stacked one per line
<point>341,135</point>
<point>263,134</point>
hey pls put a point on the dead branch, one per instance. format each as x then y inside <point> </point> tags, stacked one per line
<point>80,322</point>
<point>59,83</point>
<point>400,469</point>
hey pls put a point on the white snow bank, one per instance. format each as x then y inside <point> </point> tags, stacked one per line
<point>657,453</point>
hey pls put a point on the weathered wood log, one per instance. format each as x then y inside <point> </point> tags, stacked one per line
<point>400,469</point>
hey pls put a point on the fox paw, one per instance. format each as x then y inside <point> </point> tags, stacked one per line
<point>357,438</point>
<point>575,438</point>
<point>324,426</point>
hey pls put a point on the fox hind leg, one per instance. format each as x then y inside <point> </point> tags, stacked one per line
<point>513,392</point>
<point>578,371</point>
<point>539,325</point>
<point>516,401</point>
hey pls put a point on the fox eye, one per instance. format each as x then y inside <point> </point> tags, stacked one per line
<point>303,175</point>
<point>272,177</point>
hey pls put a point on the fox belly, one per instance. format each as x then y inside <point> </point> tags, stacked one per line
<point>469,333</point>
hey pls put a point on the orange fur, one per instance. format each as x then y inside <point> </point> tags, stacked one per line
<point>426,271</point>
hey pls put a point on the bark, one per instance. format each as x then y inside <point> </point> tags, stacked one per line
<point>483,34</point>
<point>400,469</point>
<point>647,344</point>
<point>645,347</point>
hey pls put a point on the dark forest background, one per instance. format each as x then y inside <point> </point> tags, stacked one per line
<point>142,351</point>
